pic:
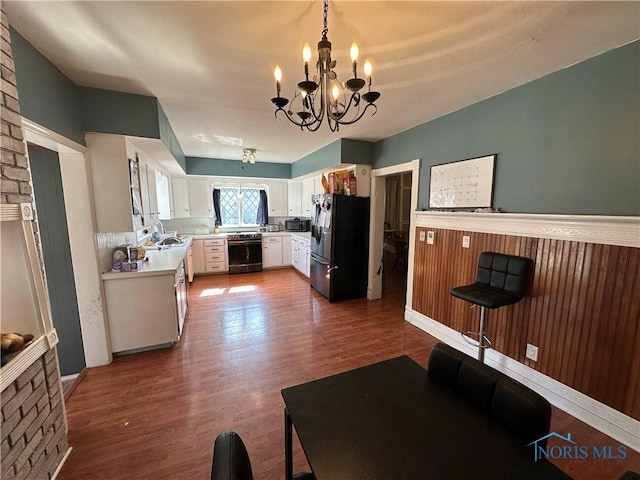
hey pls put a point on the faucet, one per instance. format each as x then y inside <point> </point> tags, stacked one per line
<point>161,226</point>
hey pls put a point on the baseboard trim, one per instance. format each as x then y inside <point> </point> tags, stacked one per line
<point>61,464</point>
<point>77,378</point>
<point>609,421</point>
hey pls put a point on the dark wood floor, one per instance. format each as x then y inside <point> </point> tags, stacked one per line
<point>154,415</point>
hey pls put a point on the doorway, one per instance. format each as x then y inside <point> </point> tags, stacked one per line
<point>56,251</point>
<point>395,250</point>
<point>394,199</point>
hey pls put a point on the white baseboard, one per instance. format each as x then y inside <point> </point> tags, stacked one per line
<point>61,464</point>
<point>609,421</point>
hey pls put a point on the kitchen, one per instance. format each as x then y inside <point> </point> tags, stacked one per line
<point>150,202</point>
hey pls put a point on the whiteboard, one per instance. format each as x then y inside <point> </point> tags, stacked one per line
<point>462,184</point>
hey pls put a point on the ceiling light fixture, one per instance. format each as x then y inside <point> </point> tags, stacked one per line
<point>249,155</point>
<point>325,95</point>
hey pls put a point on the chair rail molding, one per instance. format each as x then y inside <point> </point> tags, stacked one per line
<point>608,230</point>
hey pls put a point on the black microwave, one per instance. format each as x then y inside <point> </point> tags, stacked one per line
<point>297,225</point>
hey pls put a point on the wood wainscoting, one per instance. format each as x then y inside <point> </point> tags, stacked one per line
<point>582,310</point>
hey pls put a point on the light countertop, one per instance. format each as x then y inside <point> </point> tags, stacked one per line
<point>281,233</point>
<point>161,262</point>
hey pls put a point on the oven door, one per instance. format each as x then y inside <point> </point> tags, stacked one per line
<point>245,256</point>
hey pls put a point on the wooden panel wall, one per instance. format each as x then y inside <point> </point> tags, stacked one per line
<point>582,309</point>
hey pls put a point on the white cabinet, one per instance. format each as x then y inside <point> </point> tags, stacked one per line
<point>210,256</point>
<point>301,254</point>
<point>110,171</point>
<point>200,197</point>
<point>271,252</point>
<point>142,321</point>
<point>182,298</point>
<point>286,250</point>
<point>197,248</point>
<point>215,255</point>
<point>306,267</point>
<point>154,214</point>
<point>294,198</point>
<point>180,189</point>
<point>308,189</point>
<point>278,196</point>
<point>148,193</point>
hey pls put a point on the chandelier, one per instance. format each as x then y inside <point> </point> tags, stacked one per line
<point>324,95</point>
<point>248,155</point>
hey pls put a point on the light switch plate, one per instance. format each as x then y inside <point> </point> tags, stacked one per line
<point>532,352</point>
<point>466,241</point>
<point>431,238</point>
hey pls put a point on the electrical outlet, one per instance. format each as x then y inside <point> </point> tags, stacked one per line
<point>466,241</point>
<point>422,236</point>
<point>532,352</point>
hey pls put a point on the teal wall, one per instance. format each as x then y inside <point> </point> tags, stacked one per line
<point>343,150</point>
<point>50,99</point>
<point>47,97</point>
<point>235,168</point>
<point>168,137</point>
<point>568,142</point>
<point>107,111</point>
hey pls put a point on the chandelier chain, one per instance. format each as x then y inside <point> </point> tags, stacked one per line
<point>325,12</point>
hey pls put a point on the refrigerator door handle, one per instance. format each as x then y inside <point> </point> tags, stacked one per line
<point>319,259</point>
<point>329,270</point>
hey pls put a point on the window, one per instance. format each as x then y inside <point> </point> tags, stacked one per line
<point>239,206</point>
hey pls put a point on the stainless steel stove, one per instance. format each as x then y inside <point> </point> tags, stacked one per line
<point>245,252</point>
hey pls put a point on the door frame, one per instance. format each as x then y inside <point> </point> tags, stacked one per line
<point>78,200</point>
<point>376,226</point>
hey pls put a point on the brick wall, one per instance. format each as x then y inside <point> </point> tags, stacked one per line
<point>33,434</point>
<point>16,178</point>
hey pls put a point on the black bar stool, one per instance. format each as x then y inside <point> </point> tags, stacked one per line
<point>501,280</point>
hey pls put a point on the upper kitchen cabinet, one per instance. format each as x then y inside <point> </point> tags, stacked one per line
<point>278,195</point>
<point>294,200</point>
<point>200,197</point>
<point>180,189</point>
<point>115,173</point>
<point>308,189</point>
<point>148,192</point>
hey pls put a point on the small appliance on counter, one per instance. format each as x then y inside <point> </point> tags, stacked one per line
<point>297,225</point>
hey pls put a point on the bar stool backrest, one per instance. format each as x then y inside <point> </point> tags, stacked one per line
<point>507,272</point>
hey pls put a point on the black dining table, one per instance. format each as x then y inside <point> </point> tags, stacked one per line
<point>392,421</point>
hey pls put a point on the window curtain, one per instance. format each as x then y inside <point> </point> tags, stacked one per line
<point>263,209</point>
<point>216,207</point>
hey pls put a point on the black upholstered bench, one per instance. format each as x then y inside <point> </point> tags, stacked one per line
<point>517,407</point>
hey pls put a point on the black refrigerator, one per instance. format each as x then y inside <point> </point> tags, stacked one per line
<point>339,246</point>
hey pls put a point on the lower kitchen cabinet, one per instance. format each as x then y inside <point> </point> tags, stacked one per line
<point>271,252</point>
<point>276,251</point>
<point>146,311</point>
<point>210,256</point>
<point>301,254</point>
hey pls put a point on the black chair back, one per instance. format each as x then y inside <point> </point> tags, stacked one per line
<point>506,272</point>
<point>230,458</point>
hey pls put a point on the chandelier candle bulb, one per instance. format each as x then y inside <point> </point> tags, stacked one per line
<point>367,70</point>
<point>354,59</point>
<point>277,73</point>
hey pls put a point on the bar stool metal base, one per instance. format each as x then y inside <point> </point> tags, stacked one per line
<point>479,339</point>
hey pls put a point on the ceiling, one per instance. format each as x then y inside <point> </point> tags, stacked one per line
<point>210,63</point>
